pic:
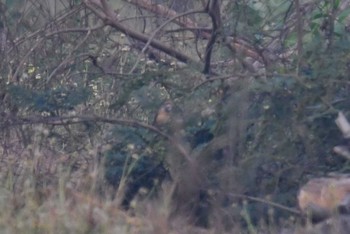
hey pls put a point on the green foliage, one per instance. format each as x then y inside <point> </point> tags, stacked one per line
<point>243,20</point>
<point>50,101</point>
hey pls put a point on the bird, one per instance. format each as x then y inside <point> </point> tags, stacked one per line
<point>163,115</point>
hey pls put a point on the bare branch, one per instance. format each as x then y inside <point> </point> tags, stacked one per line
<point>166,13</point>
<point>157,30</point>
<point>299,28</point>
<point>68,120</point>
<point>111,20</point>
<point>188,23</point>
<point>343,125</point>
<point>213,9</point>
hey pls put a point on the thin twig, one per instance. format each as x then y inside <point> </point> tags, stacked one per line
<point>68,120</point>
<point>156,31</point>
<point>261,200</point>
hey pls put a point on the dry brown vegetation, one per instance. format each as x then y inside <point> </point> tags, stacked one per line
<point>254,88</point>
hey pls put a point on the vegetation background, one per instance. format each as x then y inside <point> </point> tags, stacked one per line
<point>255,87</point>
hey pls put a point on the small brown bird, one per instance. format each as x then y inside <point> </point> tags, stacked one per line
<point>163,115</point>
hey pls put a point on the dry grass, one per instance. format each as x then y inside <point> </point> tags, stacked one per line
<point>43,193</point>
